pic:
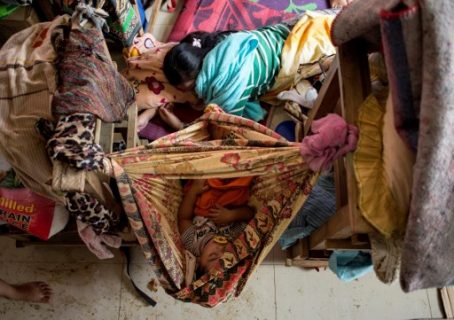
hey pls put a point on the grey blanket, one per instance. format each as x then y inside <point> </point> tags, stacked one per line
<point>424,57</point>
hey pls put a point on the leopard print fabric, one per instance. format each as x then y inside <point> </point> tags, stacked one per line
<point>72,141</point>
<point>89,210</point>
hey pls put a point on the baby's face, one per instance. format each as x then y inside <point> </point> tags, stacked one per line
<point>211,254</point>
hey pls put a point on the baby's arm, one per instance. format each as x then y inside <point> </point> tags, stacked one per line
<point>221,215</point>
<point>186,211</point>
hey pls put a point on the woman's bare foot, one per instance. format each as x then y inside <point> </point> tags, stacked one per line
<point>31,291</point>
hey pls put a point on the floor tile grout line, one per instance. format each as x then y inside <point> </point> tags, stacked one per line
<point>428,301</point>
<point>121,287</point>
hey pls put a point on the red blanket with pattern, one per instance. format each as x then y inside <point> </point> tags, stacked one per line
<point>210,15</point>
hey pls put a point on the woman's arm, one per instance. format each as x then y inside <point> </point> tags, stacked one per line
<point>145,117</point>
<point>170,118</point>
<point>186,210</point>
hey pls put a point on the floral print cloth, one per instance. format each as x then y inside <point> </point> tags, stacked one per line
<point>146,57</point>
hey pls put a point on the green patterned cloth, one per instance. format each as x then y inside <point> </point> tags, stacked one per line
<point>240,68</point>
<point>267,59</point>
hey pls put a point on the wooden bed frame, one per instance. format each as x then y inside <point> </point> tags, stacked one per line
<point>346,86</point>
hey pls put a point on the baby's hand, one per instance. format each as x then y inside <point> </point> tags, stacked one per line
<point>220,215</point>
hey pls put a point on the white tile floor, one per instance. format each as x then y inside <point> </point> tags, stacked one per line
<point>86,288</point>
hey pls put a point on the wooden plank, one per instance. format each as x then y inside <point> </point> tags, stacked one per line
<point>359,239</point>
<point>340,181</point>
<point>317,240</point>
<point>98,130</point>
<point>154,15</point>
<point>345,244</point>
<point>310,263</point>
<point>338,228</point>
<point>327,97</point>
<point>122,125</point>
<point>106,137</point>
<point>132,138</point>
<point>300,250</point>
<point>354,84</point>
<point>447,296</point>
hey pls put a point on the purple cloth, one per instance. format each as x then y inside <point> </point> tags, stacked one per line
<point>153,131</point>
<point>295,6</point>
<point>332,138</point>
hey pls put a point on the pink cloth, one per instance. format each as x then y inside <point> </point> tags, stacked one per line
<point>332,138</point>
<point>95,243</point>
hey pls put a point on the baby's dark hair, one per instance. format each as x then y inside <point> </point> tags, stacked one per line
<point>183,62</point>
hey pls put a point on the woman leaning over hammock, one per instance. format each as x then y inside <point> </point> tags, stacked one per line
<point>233,69</point>
<point>230,69</point>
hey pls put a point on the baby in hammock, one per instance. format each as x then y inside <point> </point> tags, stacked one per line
<point>213,212</point>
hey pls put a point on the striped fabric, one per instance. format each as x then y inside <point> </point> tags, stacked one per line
<point>240,68</point>
<point>267,60</point>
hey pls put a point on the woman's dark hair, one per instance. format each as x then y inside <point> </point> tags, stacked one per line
<point>183,62</point>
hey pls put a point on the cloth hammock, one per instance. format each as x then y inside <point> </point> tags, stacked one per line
<point>218,145</point>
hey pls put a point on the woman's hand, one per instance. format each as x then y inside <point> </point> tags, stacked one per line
<point>170,118</point>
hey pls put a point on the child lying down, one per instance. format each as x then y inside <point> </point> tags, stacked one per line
<point>213,212</point>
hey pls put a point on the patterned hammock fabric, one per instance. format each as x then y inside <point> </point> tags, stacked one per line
<point>218,145</point>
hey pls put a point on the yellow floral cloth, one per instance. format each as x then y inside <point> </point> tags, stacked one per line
<point>307,44</point>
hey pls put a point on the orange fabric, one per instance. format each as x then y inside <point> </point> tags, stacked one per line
<point>225,192</point>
